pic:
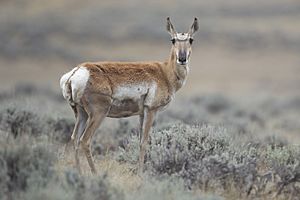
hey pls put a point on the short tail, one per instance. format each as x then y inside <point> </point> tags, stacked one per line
<point>67,92</point>
<point>73,84</point>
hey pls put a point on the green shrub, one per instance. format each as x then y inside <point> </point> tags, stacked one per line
<point>238,153</point>
<point>165,188</point>
<point>206,157</point>
<point>90,188</point>
<point>18,122</point>
<point>23,165</point>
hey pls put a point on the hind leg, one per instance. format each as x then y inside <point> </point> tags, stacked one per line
<point>93,123</point>
<point>78,131</point>
<point>75,129</point>
<point>97,108</point>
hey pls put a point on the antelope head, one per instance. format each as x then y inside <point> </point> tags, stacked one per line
<point>182,42</point>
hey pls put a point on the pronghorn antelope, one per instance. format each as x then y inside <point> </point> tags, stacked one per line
<point>96,90</point>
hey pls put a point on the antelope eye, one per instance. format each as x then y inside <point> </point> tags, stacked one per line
<point>173,41</point>
<point>191,40</point>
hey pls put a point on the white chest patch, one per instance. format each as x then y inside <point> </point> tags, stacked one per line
<point>187,72</point>
<point>135,92</point>
<point>183,71</point>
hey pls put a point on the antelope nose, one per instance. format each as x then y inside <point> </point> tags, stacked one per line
<point>182,57</point>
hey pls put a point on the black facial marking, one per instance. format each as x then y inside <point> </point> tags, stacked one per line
<point>173,41</point>
<point>191,40</point>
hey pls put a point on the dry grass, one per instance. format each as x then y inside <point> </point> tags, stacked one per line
<point>119,175</point>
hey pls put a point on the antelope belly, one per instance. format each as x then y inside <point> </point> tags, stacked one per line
<point>125,108</point>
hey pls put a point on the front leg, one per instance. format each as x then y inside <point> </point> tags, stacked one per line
<point>141,126</point>
<point>148,119</point>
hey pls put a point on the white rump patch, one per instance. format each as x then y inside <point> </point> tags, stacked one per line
<point>63,80</point>
<point>135,92</point>
<point>78,78</point>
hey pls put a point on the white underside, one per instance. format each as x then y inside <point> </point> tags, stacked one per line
<point>136,92</point>
<point>78,80</point>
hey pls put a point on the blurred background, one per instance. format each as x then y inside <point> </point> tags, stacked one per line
<point>243,46</point>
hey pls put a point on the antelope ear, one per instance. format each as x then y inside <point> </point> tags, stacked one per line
<point>194,27</point>
<point>170,28</point>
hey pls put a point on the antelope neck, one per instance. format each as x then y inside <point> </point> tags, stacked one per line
<point>177,74</point>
